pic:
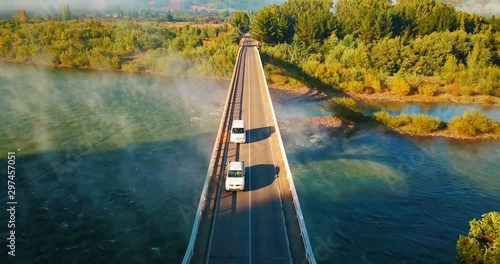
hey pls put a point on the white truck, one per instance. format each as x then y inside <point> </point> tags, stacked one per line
<point>235,179</point>
<point>238,132</point>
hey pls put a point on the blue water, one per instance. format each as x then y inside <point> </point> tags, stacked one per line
<point>443,111</point>
<point>109,167</point>
<point>375,197</point>
<point>295,108</point>
<point>101,173</point>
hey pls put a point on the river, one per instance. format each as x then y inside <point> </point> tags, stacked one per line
<point>378,197</point>
<point>109,168</point>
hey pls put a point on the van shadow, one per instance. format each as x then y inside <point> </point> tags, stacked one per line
<point>260,133</point>
<point>260,176</point>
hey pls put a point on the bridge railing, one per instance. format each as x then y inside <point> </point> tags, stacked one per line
<point>296,203</point>
<point>201,205</point>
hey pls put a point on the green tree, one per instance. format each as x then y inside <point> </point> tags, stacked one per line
<point>367,19</point>
<point>386,55</point>
<point>65,12</point>
<point>310,21</point>
<point>270,26</point>
<point>21,16</point>
<point>240,21</point>
<point>482,244</point>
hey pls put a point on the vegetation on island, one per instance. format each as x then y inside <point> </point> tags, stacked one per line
<point>470,125</point>
<point>482,244</point>
<point>413,47</point>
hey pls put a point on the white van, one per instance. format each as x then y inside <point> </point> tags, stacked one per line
<point>235,179</point>
<point>238,132</point>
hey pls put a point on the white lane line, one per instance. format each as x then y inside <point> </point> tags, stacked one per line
<point>249,163</point>
<point>278,180</point>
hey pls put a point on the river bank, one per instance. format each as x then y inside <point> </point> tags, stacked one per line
<point>283,95</point>
<point>48,65</point>
<point>317,94</point>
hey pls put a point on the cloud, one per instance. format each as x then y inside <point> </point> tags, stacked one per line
<point>490,8</point>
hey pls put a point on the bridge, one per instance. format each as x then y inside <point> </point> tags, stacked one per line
<point>263,223</point>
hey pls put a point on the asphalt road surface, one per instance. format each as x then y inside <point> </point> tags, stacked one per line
<point>249,225</point>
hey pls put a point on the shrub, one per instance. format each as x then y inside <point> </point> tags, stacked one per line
<point>422,124</point>
<point>373,82</point>
<point>428,89</point>
<point>414,81</point>
<point>382,117</point>
<point>473,123</point>
<point>355,86</point>
<point>346,108</point>
<point>485,86</point>
<point>400,86</point>
<point>392,121</point>
<point>466,90</point>
<point>453,89</point>
<point>488,100</point>
<point>482,244</point>
<point>496,92</point>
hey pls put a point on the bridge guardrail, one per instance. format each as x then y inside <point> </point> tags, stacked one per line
<point>201,205</point>
<point>300,217</point>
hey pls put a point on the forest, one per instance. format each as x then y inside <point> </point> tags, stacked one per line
<point>372,46</point>
<point>413,47</point>
<point>131,46</point>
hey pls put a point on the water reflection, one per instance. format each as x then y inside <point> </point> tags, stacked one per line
<point>443,111</point>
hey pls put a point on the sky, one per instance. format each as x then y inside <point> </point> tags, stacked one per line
<point>491,8</point>
<point>6,5</point>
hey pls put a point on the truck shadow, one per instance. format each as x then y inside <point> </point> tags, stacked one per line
<point>260,133</point>
<point>260,176</point>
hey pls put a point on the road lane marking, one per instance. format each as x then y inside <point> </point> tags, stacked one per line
<point>261,80</point>
<point>249,173</point>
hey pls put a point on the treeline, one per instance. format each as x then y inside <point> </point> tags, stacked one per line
<point>124,45</point>
<point>66,13</point>
<point>369,46</point>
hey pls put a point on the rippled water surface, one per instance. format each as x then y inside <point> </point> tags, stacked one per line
<point>443,111</point>
<point>109,166</point>
<point>374,197</point>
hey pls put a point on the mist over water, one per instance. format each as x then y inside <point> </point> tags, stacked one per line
<point>374,197</point>
<point>445,112</point>
<point>110,166</point>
